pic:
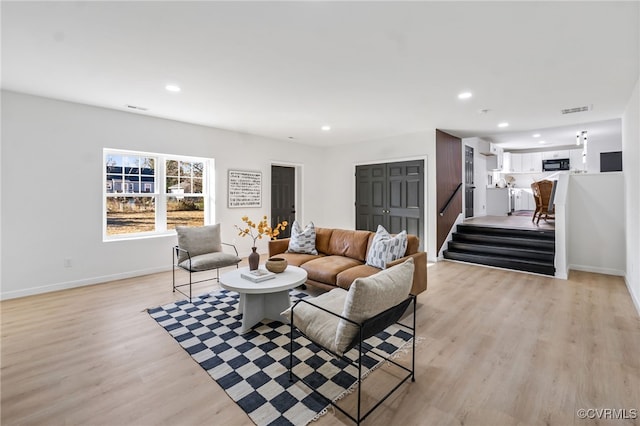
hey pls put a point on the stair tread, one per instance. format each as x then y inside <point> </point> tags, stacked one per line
<point>516,260</point>
<point>529,250</point>
<point>488,229</point>
<point>483,245</point>
<point>506,240</point>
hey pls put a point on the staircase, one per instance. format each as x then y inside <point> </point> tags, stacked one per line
<point>520,249</point>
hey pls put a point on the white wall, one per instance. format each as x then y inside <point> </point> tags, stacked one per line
<point>596,144</point>
<point>630,167</point>
<point>596,225</point>
<point>51,181</point>
<point>339,179</point>
<point>52,189</point>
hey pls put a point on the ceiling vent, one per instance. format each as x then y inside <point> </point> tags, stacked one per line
<point>139,108</point>
<point>577,109</point>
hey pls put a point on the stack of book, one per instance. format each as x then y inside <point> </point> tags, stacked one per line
<point>258,275</point>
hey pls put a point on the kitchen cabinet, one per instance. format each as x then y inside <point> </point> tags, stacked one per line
<point>515,162</point>
<point>495,149</point>
<point>531,162</point>
<point>523,199</point>
<point>498,201</point>
<point>552,155</point>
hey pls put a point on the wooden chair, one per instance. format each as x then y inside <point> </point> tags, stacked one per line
<point>544,193</point>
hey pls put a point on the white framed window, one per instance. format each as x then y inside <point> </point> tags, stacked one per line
<point>148,194</point>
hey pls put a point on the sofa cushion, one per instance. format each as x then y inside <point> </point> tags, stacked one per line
<point>302,240</point>
<point>372,295</point>
<point>315,322</point>
<point>297,259</point>
<point>348,243</point>
<point>323,236</point>
<point>413,244</point>
<point>326,269</point>
<point>198,240</point>
<point>348,276</point>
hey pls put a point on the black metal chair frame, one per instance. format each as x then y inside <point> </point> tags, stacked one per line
<point>366,329</point>
<point>174,259</point>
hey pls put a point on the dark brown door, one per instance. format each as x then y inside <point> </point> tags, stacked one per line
<point>448,178</point>
<point>283,195</point>
<point>391,195</point>
<point>469,185</point>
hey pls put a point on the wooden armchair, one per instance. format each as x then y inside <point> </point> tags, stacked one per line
<point>544,193</point>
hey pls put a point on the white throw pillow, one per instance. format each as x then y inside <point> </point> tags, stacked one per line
<point>302,240</point>
<point>372,295</point>
<point>385,248</point>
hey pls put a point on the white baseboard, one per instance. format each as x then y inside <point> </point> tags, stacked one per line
<point>561,275</point>
<point>79,283</point>
<point>597,270</point>
<point>635,298</point>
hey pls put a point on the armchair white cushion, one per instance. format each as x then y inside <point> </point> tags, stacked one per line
<point>366,298</point>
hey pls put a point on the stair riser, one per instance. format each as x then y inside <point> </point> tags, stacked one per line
<point>505,241</point>
<point>500,262</point>
<point>505,232</point>
<point>509,252</point>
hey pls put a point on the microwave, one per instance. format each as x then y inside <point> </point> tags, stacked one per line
<point>555,164</point>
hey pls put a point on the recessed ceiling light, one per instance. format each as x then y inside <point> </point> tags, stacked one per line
<point>172,88</point>
<point>542,142</point>
<point>504,124</point>
<point>537,135</point>
<point>464,95</point>
<point>325,128</point>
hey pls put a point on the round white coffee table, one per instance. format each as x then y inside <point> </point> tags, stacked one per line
<point>263,300</point>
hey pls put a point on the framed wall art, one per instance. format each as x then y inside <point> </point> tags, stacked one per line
<point>244,189</point>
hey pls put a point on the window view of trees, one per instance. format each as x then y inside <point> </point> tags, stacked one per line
<point>185,203</point>
<point>142,198</point>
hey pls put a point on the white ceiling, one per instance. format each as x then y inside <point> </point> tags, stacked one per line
<point>565,137</point>
<point>368,69</point>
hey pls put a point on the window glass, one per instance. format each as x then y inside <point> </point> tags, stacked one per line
<point>185,211</point>
<point>130,215</point>
<point>133,202</point>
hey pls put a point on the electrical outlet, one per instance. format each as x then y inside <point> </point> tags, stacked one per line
<point>67,262</point>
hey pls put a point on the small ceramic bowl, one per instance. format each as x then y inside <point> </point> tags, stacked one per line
<point>276,264</point>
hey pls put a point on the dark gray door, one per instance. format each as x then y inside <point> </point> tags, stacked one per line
<point>391,195</point>
<point>371,196</point>
<point>469,185</point>
<point>283,195</point>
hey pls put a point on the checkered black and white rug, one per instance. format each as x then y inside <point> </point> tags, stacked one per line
<point>252,367</point>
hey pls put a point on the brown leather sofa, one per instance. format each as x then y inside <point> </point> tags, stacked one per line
<point>341,258</point>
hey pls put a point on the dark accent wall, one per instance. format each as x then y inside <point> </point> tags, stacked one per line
<point>448,177</point>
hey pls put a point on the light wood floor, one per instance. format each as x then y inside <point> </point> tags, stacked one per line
<point>497,348</point>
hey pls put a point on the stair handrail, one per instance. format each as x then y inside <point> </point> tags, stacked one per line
<point>446,206</point>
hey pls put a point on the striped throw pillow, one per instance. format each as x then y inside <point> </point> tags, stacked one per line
<point>302,240</point>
